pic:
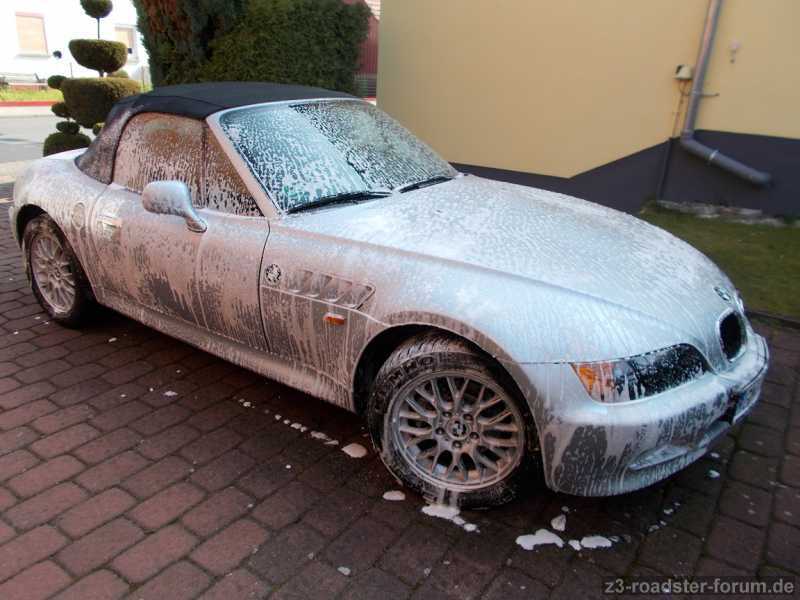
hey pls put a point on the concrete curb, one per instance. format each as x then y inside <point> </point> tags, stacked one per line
<point>27,103</point>
<point>780,319</point>
<point>25,111</point>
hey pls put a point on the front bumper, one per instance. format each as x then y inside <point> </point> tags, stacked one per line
<point>594,449</point>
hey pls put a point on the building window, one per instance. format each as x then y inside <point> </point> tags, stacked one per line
<point>30,33</point>
<point>127,35</point>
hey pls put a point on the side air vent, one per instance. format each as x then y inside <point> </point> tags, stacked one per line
<point>731,335</point>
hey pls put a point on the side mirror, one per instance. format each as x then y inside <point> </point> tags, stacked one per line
<point>172,198</point>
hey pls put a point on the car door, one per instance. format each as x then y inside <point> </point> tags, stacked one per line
<point>149,260</point>
<point>153,261</point>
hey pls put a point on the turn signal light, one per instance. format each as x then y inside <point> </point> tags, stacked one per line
<point>334,319</point>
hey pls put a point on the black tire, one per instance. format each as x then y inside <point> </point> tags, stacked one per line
<point>429,355</point>
<point>74,312</point>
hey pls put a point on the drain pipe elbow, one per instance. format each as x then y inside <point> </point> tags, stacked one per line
<point>714,157</point>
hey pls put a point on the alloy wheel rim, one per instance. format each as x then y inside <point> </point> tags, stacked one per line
<point>457,431</point>
<point>52,271</point>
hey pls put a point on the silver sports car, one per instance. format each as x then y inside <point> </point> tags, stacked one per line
<point>490,334</point>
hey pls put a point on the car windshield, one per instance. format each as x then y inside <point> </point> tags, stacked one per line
<point>314,151</point>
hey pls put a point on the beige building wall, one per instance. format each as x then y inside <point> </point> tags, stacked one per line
<point>759,92</point>
<point>561,87</point>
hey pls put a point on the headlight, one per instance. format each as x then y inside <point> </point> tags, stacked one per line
<point>640,376</point>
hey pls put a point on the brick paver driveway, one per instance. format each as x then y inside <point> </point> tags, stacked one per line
<point>131,463</point>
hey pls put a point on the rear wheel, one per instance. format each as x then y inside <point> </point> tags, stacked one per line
<point>449,423</point>
<point>57,278</point>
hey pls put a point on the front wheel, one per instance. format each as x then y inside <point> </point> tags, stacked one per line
<point>449,423</point>
<point>56,276</point>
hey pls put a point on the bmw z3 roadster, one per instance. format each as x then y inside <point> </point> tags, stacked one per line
<point>490,334</point>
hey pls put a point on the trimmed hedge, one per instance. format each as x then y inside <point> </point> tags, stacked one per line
<point>61,142</point>
<point>121,73</point>
<point>90,98</point>
<point>60,109</point>
<point>97,128</point>
<point>54,81</point>
<point>310,42</point>
<point>97,9</point>
<point>100,55</point>
<point>68,127</point>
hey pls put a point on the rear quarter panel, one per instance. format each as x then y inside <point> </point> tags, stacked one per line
<point>59,188</point>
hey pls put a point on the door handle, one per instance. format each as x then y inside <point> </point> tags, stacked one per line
<point>109,227</point>
<point>114,222</point>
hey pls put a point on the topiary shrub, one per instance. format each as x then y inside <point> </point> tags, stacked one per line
<point>100,55</point>
<point>89,98</point>
<point>97,9</point>
<point>97,128</point>
<point>68,127</point>
<point>311,42</point>
<point>120,73</point>
<point>54,81</point>
<point>60,109</point>
<point>61,142</point>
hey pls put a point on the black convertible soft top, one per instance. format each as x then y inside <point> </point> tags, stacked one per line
<point>193,100</point>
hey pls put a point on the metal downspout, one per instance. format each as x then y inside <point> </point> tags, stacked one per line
<point>688,141</point>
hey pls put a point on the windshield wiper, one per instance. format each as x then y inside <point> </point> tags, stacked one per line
<point>407,187</point>
<point>345,197</point>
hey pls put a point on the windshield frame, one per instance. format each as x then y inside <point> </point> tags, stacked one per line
<point>264,199</point>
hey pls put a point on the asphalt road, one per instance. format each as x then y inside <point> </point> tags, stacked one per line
<point>21,138</point>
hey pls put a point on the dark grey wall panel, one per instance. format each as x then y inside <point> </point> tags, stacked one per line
<point>691,179</point>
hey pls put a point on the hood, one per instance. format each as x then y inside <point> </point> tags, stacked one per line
<point>547,238</point>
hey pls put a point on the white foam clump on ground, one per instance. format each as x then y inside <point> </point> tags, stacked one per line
<point>543,537</point>
<point>441,511</point>
<point>449,513</point>
<point>170,393</point>
<point>559,523</point>
<point>355,450</point>
<point>324,437</point>
<point>110,340</point>
<point>394,496</point>
<point>595,541</point>
<point>344,571</point>
<point>712,474</point>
